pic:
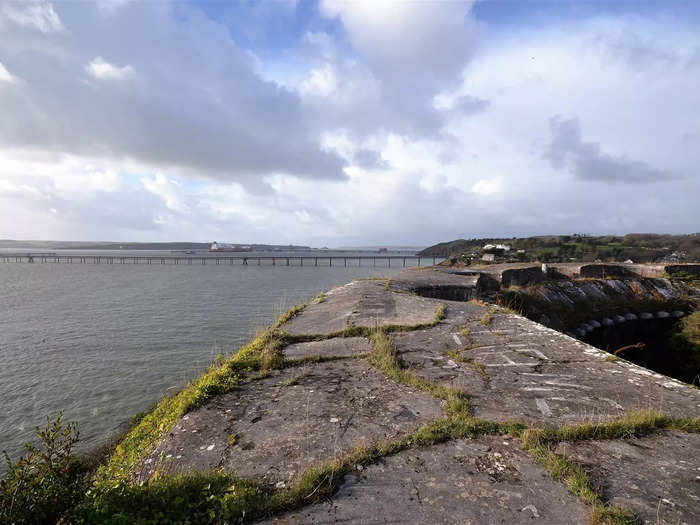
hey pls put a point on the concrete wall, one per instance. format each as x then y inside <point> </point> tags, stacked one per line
<point>687,269</point>
<point>522,276</point>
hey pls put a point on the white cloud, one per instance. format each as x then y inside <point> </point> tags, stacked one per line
<point>167,189</point>
<point>488,186</point>
<point>103,70</point>
<point>5,75</point>
<point>321,82</point>
<point>411,51</point>
<point>108,7</point>
<point>35,14</point>
<point>9,187</point>
<point>396,36</point>
<point>63,176</point>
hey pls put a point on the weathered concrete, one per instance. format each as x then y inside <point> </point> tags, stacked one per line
<point>281,429</point>
<point>524,274</point>
<point>336,347</point>
<point>566,304</point>
<point>656,477</point>
<point>452,284</point>
<point>534,374</point>
<point>361,303</point>
<point>511,368</point>
<point>488,480</point>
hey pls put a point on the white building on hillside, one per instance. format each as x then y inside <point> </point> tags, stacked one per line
<point>504,247</point>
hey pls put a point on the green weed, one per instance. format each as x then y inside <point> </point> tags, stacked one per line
<point>455,355</point>
<point>384,357</point>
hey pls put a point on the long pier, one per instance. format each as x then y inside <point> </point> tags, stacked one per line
<point>240,260</point>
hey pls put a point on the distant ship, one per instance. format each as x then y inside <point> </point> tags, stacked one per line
<point>225,247</point>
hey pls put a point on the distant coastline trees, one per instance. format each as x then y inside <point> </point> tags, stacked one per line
<point>638,247</point>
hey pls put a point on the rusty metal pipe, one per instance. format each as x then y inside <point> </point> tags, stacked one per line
<point>639,346</point>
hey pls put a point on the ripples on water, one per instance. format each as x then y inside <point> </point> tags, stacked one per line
<point>103,342</point>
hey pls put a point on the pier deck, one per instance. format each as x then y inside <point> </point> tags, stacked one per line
<point>241,260</point>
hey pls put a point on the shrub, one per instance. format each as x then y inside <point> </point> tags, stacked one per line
<point>47,481</point>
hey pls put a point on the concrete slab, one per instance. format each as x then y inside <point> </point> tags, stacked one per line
<point>362,303</point>
<point>527,372</point>
<point>330,316</point>
<point>281,429</point>
<point>568,393</point>
<point>656,477</point>
<point>336,347</point>
<point>273,428</point>
<point>487,480</point>
<point>457,285</point>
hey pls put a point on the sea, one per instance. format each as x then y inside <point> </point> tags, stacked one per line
<point>102,342</point>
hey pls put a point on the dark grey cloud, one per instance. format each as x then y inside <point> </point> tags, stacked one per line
<point>586,161</point>
<point>188,96</point>
<point>637,51</point>
<point>468,105</point>
<point>369,159</point>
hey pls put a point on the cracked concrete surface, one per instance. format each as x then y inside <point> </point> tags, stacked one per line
<point>361,303</point>
<point>656,477</point>
<point>272,429</point>
<point>485,480</point>
<point>336,347</point>
<point>275,427</point>
<point>534,374</point>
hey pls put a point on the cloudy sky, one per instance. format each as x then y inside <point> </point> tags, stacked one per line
<point>347,123</point>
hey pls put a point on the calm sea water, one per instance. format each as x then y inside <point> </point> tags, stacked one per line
<point>102,342</point>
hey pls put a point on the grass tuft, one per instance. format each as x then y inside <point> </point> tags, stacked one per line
<point>384,357</point>
<point>455,355</point>
<point>294,380</point>
<point>440,314</point>
<point>539,443</point>
<point>487,318</point>
<point>570,473</point>
<point>634,424</point>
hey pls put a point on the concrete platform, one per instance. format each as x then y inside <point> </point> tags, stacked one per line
<point>523,371</point>
<point>290,421</point>
<point>443,283</point>
<point>656,477</point>
<point>488,480</point>
<point>361,303</point>
<point>336,347</point>
<point>512,369</point>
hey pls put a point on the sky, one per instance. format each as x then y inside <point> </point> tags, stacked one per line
<point>331,123</point>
